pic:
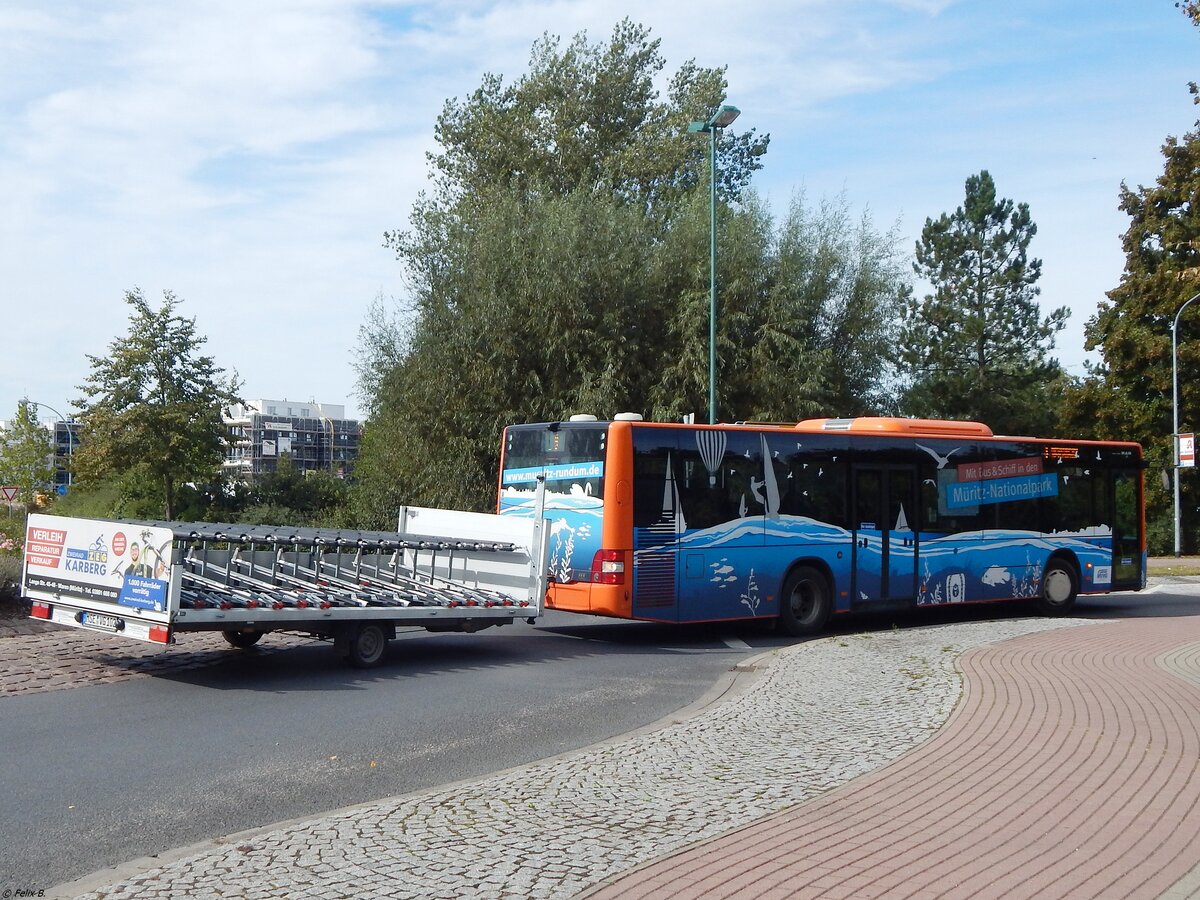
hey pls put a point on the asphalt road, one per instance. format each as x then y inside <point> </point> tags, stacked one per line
<point>98,775</point>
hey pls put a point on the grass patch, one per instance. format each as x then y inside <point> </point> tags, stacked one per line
<point>1181,569</point>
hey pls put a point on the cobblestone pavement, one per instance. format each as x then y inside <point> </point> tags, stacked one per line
<point>41,656</point>
<point>820,714</point>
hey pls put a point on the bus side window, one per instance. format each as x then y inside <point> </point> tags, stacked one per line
<point>1078,505</point>
<point>650,461</point>
<point>812,483</point>
<point>829,489</point>
<point>929,504</point>
<point>938,517</point>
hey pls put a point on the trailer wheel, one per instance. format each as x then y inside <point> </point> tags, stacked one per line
<point>1060,587</point>
<point>365,647</point>
<point>805,603</point>
<point>243,640</point>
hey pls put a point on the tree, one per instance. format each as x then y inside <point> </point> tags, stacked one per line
<point>825,337</point>
<point>978,346</point>
<point>807,311</point>
<point>26,455</point>
<point>289,496</point>
<point>536,291</point>
<point>588,116</point>
<point>560,266</point>
<point>152,416</point>
<point>1129,395</point>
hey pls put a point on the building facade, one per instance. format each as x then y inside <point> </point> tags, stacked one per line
<point>317,437</point>
<point>65,437</point>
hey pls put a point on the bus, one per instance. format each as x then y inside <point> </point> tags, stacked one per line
<point>671,522</point>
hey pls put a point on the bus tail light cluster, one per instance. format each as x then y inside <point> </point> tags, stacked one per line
<point>608,567</point>
<point>39,611</point>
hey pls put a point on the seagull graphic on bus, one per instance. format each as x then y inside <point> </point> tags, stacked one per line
<point>942,461</point>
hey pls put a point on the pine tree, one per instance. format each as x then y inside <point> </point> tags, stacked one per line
<point>978,346</point>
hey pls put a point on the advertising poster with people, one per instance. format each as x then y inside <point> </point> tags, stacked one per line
<point>113,562</point>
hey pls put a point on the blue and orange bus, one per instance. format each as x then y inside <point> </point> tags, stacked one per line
<point>694,523</point>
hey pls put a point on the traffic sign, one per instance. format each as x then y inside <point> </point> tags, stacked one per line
<point>9,493</point>
<point>1187,450</point>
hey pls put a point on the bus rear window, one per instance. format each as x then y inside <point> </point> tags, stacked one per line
<point>570,456</point>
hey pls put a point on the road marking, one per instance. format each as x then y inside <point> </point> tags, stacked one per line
<point>736,643</point>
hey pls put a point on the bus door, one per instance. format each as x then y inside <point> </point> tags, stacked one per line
<point>885,545</point>
<point>1127,528</point>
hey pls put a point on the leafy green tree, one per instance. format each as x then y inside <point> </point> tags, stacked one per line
<point>1129,395</point>
<point>539,310</point>
<point>289,496</point>
<point>807,310</point>
<point>587,116</point>
<point>832,305</point>
<point>26,455</point>
<point>978,346</point>
<point>561,266</point>
<point>531,261</point>
<point>152,408</point>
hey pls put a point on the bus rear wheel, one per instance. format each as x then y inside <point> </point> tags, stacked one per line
<point>806,602</point>
<point>1060,586</point>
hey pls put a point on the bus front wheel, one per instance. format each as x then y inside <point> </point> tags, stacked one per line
<point>806,602</point>
<point>1060,586</point>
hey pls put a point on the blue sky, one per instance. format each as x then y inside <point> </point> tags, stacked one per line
<point>249,156</point>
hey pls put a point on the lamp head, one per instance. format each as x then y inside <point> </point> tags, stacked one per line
<point>724,117</point>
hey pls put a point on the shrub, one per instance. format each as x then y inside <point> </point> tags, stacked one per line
<point>10,577</point>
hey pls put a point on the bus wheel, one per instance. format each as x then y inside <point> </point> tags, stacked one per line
<point>1060,585</point>
<point>365,646</point>
<point>243,640</point>
<point>805,604</point>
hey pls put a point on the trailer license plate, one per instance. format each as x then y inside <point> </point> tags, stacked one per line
<point>99,620</point>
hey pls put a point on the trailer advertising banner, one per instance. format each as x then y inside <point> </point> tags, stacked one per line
<point>112,562</point>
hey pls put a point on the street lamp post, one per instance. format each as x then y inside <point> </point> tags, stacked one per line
<point>721,119</point>
<point>70,437</point>
<point>1175,413</point>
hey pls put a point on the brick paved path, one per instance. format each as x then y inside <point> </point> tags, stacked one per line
<point>1069,769</point>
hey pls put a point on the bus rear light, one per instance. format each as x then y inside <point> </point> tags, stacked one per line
<point>40,611</point>
<point>608,567</point>
<point>160,634</point>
